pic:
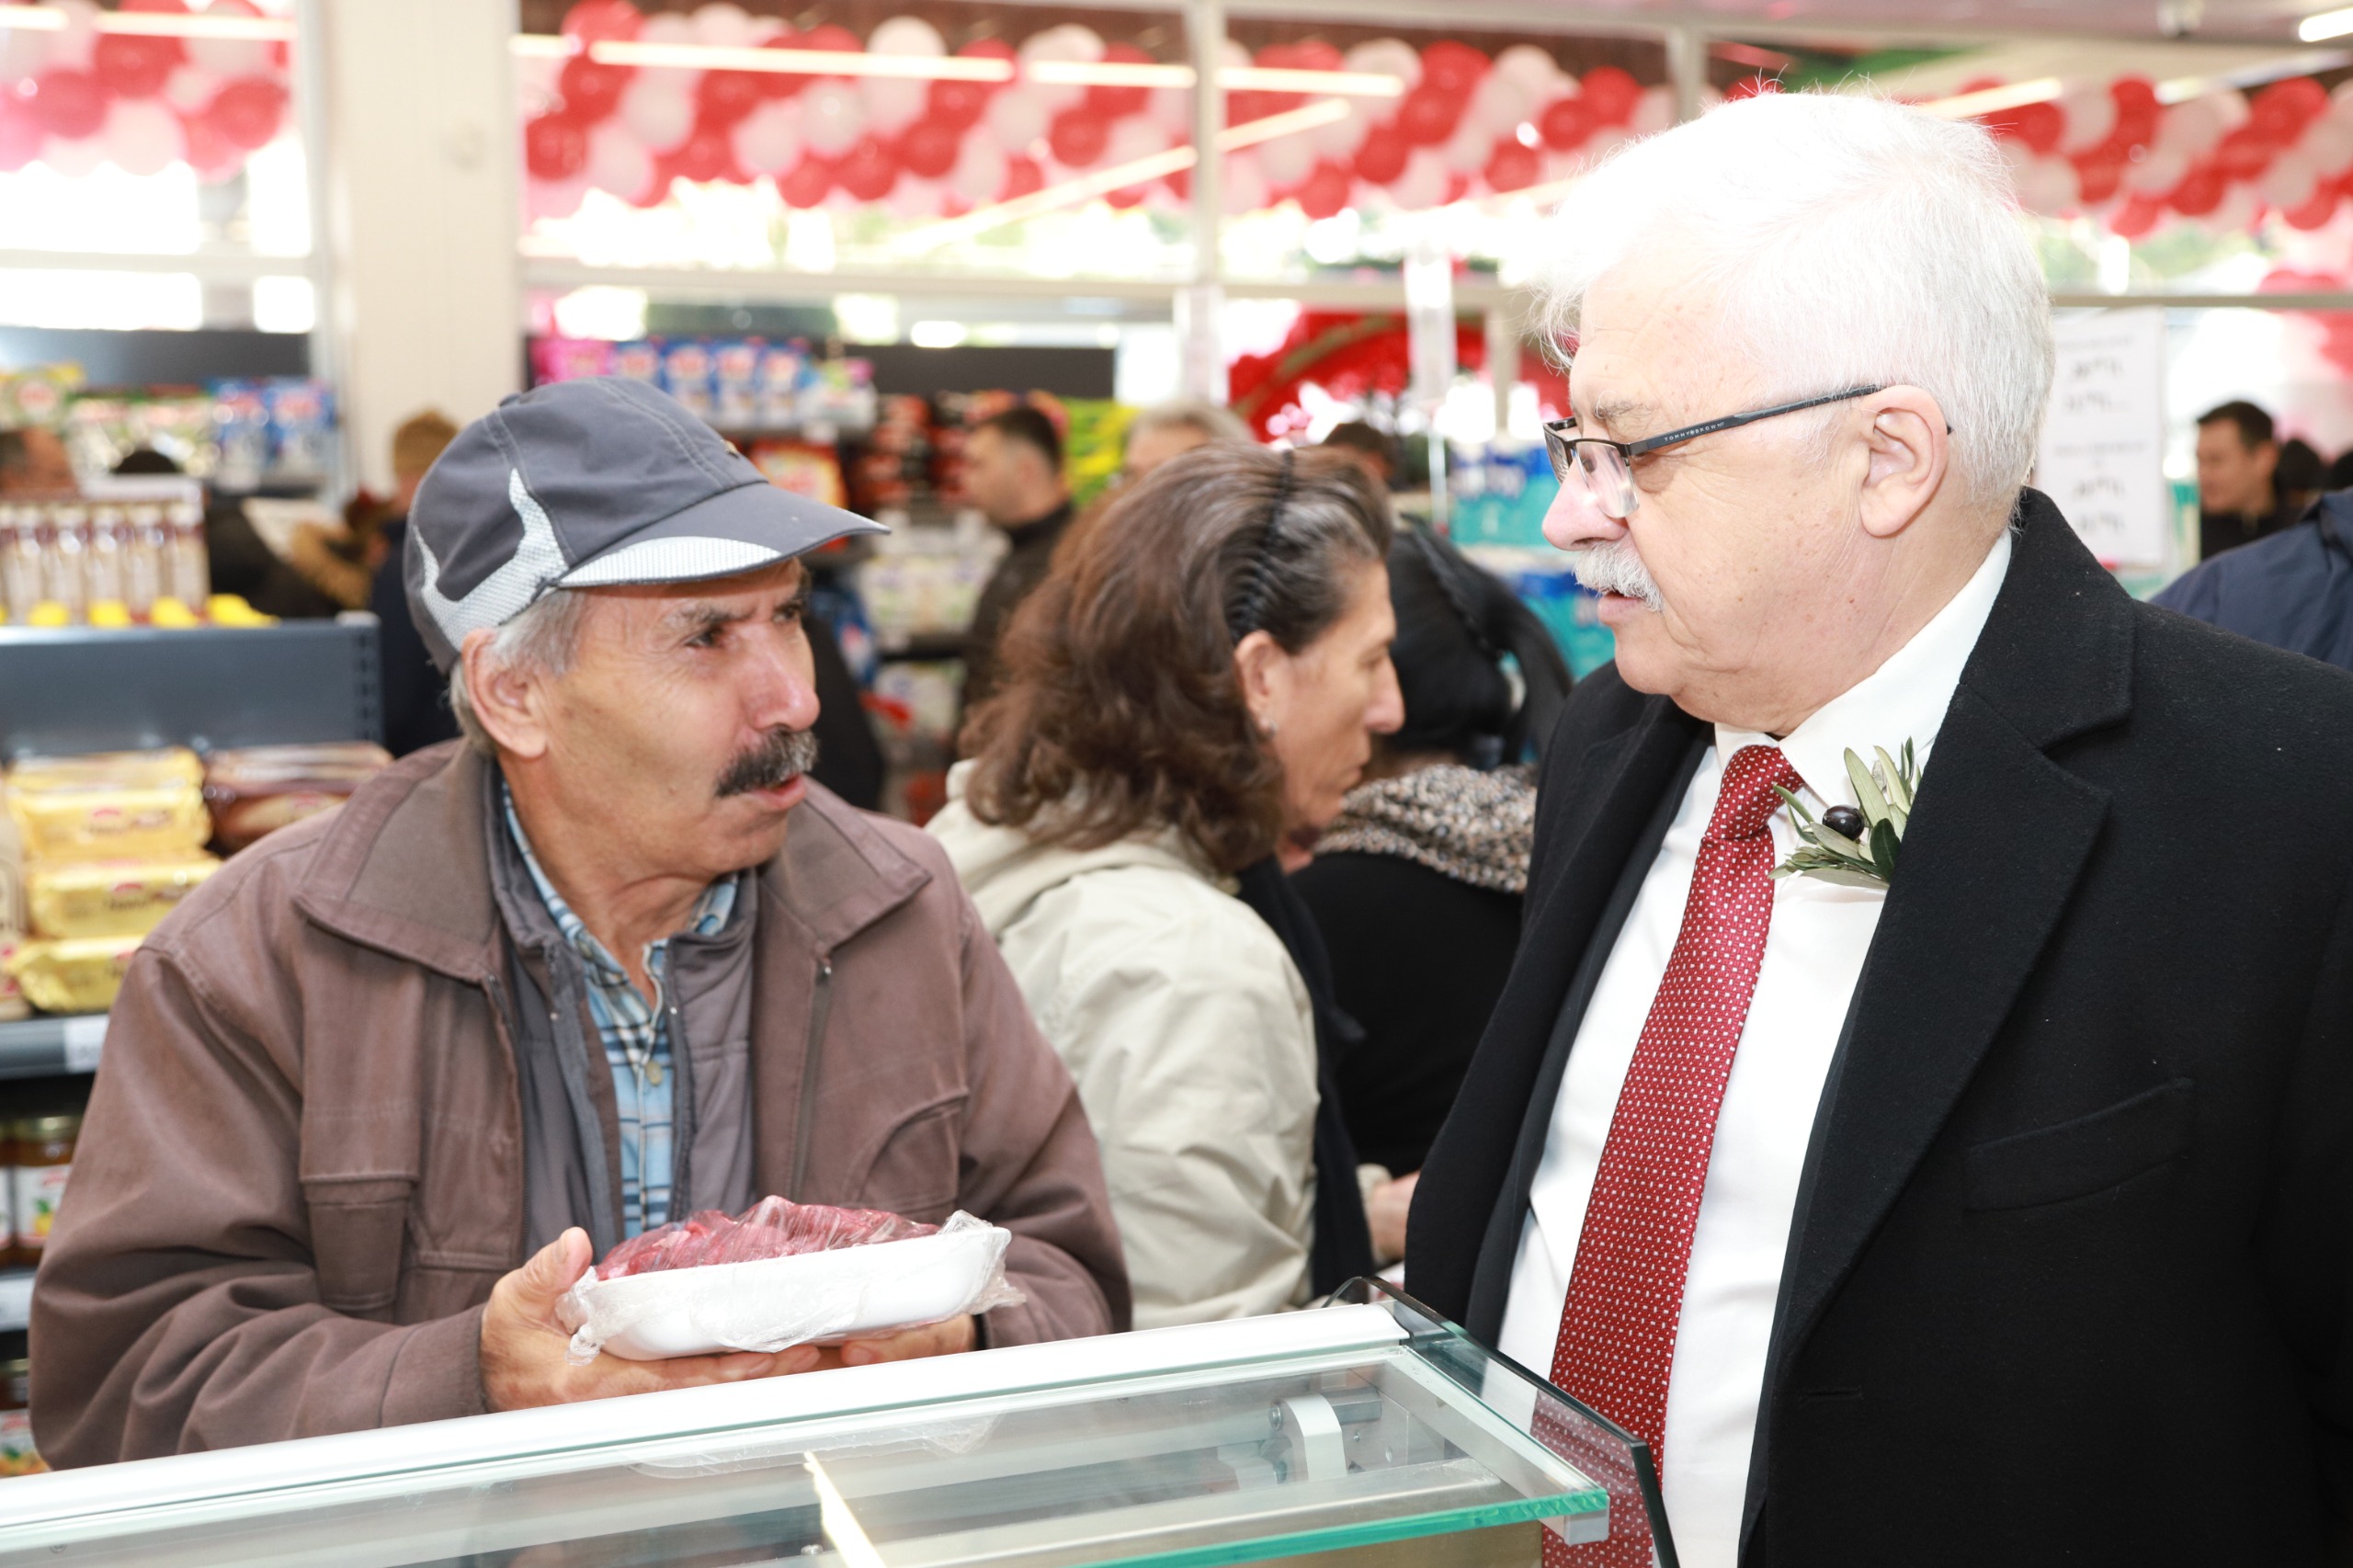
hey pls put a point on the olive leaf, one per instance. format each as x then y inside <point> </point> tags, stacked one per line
<point>1885,790</point>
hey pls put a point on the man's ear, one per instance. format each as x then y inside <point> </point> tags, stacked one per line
<point>1909,447</point>
<point>1263,667</point>
<point>510,703</point>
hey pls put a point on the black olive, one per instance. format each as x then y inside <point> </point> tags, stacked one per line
<point>1846,821</point>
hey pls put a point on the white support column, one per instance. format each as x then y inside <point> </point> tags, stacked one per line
<point>423,299</point>
<point>1686,68</point>
<point>1200,305</point>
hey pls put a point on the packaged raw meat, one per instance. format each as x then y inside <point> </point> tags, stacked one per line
<point>782,1274</point>
<point>258,789</point>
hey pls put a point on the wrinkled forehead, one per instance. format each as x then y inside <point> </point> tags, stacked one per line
<point>1653,343</point>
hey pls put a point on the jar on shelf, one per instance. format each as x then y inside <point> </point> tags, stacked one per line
<point>42,1157</point>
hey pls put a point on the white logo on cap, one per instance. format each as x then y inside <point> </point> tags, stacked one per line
<point>508,592</point>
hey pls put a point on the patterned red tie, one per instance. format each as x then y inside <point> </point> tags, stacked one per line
<point>1618,1326</point>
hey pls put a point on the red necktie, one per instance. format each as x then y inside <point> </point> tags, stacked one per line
<point>1625,1300</point>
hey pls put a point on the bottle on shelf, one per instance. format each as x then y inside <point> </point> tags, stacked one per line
<point>41,1158</point>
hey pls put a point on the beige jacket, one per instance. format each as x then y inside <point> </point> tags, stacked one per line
<point>301,1169</point>
<point>1190,1032</point>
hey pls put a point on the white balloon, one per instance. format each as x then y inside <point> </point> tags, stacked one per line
<point>892,103</point>
<point>1016,119</point>
<point>1423,183</point>
<point>768,140</point>
<point>1497,105</point>
<point>229,58</point>
<point>833,117</point>
<point>1341,140</point>
<point>667,26</point>
<point>1171,109</point>
<point>1653,112</point>
<point>74,160</point>
<point>979,173</point>
<point>2233,106</point>
<point>2158,173</point>
<point>1604,142</point>
<point>909,36</point>
<point>189,88</point>
<point>2236,215</point>
<point>1386,57</point>
<point>1245,188</point>
<point>1067,44</point>
<point>553,199</point>
<point>2048,186</point>
<point>2091,116</point>
<point>2192,128</point>
<point>724,24</point>
<point>535,83</point>
<point>2291,180</point>
<point>1135,137</point>
<point>2329,143</point>
<point>1468,150</point>
<point>912,198</point>
<point>23,51</point>
<point>1530,69</point>
<point>141,138</point>
<point>1286,161</point>
<point>617,162</point>
<point>658,109</point>
<point>70,46</point>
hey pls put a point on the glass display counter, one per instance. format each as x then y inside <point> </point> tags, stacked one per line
<point>1366,1432</point>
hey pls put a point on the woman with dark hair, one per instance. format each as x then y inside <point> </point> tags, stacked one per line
<point>1199,678</point>
<point>1416,885</point>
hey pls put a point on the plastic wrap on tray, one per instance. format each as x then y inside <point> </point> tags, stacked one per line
<point>258,789</point>
<point>110,898</point>
<point>782,1274</point>
<point>111,805</point>
<point>76,976</point>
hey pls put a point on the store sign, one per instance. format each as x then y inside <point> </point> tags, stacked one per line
<point>2104,442</point>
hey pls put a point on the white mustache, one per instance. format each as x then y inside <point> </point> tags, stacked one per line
<point>1615,568</point>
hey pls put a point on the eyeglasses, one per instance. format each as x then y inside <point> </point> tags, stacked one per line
<point>1604,469</point>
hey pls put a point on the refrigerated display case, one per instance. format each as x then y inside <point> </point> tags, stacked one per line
<point>1366,1432</point>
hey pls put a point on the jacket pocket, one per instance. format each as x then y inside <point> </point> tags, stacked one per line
<point>2086,1155</point>
<point>917,1172</point>
<point>359,1233</point>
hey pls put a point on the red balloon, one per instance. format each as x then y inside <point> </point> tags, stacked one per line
<point>2200,192</point>
<point>960,105</point>
<point>2285,108</point>
<point>1429,114</point>
<point>1454,65</point>
<point>1110,103</point>
<point>868,170</point>
<point>207,151</point>
<point>589,90</point>
<point>1314,55</point>
<point>2136,217</point>
<point>2138,113</point>
<point>1324,193</point>
<point>832,36</point>
<point>555,147</point>
<point>2315,213</point>
<point>20,134</point>
<point>1242,106</point>
<point>1022,177</point>
<point>69,105</point>
<point>1564,124</point>
<point>1514,168</point>
<point>806,183</point>
<point>600,21</point>
<point>2096,179</point>
<point>708,153</point>
<point>1381,156</point>
<point>930,149</point>
<point>1610,95</point>
<point>1078,138</point>
<point>2245,152</point>
<point>248,111</point>
<point>724,98</point>
<point>131,66</point>
<point>2037,127</point>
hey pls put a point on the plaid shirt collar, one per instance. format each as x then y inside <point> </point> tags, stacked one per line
<point>712,912</point>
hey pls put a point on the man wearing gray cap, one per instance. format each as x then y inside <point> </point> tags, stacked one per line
<point>377,1094</point>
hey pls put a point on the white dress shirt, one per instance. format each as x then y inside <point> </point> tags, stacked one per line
<point>1813,954</point>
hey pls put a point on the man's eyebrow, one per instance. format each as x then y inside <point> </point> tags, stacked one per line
<point>700,614</point>
<point>1617,413</point>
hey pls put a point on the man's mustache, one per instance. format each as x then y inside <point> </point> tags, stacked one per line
<point>1615,568</point>
<point>780,756</point>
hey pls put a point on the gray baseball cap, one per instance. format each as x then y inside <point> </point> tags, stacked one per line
<point>598,483</point>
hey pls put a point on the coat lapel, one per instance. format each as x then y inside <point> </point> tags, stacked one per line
<point>1993,852</point>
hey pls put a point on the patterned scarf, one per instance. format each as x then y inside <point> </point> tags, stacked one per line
<point>1475,827</point>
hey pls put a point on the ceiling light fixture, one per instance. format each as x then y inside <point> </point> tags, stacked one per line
<point>2325,25</point>
<point>1994,100</point>
<point>154,24</point>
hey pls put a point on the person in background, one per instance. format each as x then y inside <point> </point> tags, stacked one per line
<point>33,465</point>
<point>1366,447</point>
<point>1168,429</point>
<point>416,714</point>
<point>2293,590</point>
<point>2300,475</point>
<point>1200,675</point>
<point>378,1092</point>
<point>1013,473</point>
<point>2238,460</point>
<point>236,558</point>
<point>1416,885</point>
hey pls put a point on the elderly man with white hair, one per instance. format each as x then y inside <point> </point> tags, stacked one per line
<point>1919,1110</point>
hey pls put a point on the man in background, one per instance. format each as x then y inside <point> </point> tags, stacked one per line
<point>415,715</point>
<point>2293,590</point>
<point>1170,429</point>
<point>1013,473</point>
<point>1365,447</point>
<point>2238,458</point>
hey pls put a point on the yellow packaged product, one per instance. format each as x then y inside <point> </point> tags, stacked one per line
<point>12,916</point>
<point>110,898</point>
<point>109,769</point>
<point>76,976</point>
<point>110,805</point>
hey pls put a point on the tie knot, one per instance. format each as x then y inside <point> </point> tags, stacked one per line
<point>1746,801</point>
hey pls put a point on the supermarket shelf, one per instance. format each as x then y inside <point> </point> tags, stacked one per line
<point>76,689</point>
<point>16,1299</point>
<point>38,1048</point>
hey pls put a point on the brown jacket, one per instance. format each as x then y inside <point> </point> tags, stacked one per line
<point>301,1169</point>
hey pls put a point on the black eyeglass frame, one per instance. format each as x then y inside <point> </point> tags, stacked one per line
<point>1560,447</point>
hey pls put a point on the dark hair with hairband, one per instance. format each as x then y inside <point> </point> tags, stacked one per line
<point>1249,606</point>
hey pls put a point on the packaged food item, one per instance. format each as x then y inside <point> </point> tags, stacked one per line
<point>240,434</point>
<point>80,975</point>
<point>13,915</point>
<point>782,1274</point>
<point>258,789</point>
<point>735,383</point>
<point>110,806</point>
<point>110,898</point>
<point>568,358</point>
<point>640,361</point>
<point>783,367</point>
<point>157,770</point>
<point>187,573</point>
<point>44,1160</point>
<point>686,375</point>
<point>302,427</point>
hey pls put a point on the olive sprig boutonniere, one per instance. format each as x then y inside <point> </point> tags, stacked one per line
<point>1855,846</point>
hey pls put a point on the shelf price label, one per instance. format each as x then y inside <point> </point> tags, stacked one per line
<point>83,1039</point>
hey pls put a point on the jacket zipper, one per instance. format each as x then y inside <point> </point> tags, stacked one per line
<point>820,1004</point>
